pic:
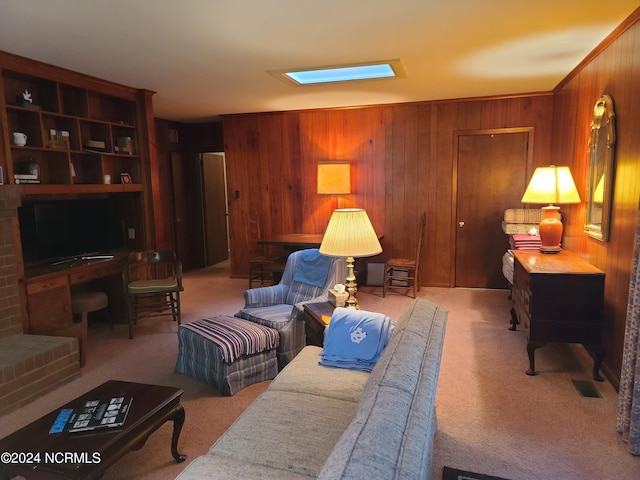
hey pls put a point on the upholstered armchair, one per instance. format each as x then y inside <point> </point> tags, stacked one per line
<point>307,277</point>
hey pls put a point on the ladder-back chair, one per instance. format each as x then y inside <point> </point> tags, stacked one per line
<point>264,268</point>
<point>403,273</point>
<point>152,282</point>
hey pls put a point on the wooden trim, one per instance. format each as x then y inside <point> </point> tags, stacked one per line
<point>602,46</point>
<point>436,101</point>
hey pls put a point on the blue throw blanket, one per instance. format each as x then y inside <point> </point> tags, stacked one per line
<point>312,268</point>
<point>355,339</point>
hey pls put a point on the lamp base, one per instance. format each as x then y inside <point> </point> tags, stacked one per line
<point>550,230</point>
<point>351,286</point>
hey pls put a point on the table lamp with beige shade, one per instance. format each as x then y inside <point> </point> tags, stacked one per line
<point>350,234</point>
<point>551,185</point>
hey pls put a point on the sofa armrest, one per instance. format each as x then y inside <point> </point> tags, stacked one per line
<point>264,296</point>
<point>298,308</point>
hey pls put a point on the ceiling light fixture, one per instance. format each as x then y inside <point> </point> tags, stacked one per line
<point>342,73</point>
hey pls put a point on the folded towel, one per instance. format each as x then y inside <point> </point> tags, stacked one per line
<point>312,268</point>
<point>355,339</point>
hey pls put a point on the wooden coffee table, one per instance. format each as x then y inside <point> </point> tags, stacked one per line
<point>35,453</point>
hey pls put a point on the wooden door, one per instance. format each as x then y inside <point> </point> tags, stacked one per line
<point>215,208</point>
<point>491,175</point>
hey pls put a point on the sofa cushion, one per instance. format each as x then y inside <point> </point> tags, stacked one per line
<point>305,375</point>
<point>287,430</point>
<point>273,316</point>
<point>392,433</point>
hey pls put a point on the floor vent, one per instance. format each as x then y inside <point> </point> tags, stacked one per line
<point>586,388</point>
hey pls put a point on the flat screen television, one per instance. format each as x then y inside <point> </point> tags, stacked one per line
<point>57,230</point>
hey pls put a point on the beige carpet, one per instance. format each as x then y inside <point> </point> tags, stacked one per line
<point>493,418</point>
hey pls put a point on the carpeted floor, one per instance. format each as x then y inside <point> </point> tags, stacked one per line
<point>492,417</point>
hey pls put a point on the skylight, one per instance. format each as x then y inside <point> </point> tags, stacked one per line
<point>342,73</point>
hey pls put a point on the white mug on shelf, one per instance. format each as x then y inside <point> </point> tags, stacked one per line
<point>107,179</point>
<point>19,139</point>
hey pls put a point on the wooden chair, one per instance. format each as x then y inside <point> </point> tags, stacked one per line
<point>265,269</point>
<point>403,273</point>
<point>153,282</point>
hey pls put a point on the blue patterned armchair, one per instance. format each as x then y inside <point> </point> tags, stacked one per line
<point>307,277</point>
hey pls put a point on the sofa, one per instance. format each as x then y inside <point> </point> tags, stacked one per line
<point>324,422</point>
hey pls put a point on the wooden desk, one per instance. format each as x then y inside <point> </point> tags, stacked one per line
<point>558,298</point>
<point>317,318</point>
<point>47,290</point>
<point>294,241</point>
<point>152,406</point>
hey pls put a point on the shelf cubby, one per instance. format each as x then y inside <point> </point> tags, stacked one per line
<point>74,101</point>
<point>88,168</point>
<point>96,132</point>
<point>44,93</point>
<point>53,167</point>
<point>25,121</point>
<point>111,109</point>
<point>53,127</point>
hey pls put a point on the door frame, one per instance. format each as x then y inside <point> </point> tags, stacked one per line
<point>453,235</point>
<point>203,188</point>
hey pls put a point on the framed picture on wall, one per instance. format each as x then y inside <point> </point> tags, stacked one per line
<point>125,178</point>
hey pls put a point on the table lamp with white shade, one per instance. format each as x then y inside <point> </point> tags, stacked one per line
<point>350,234</point>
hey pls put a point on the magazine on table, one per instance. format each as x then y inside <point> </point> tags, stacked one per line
<point>93,415</point>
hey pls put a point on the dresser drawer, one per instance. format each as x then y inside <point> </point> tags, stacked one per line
<point>85,276</point>
<point>565,332</point>
<point>43,285</point>
<point>522,288</point>
<point>96,270</point>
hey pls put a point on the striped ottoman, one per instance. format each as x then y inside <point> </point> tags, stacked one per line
<point>227,352</point>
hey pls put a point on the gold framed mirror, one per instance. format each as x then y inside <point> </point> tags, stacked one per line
<point>602,139</point>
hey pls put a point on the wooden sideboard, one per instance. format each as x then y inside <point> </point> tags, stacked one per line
<point>559,298</point>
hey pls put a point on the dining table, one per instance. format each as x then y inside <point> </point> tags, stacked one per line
<point>294,241</point>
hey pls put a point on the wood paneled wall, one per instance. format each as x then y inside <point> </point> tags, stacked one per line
<point>613,70</point>
<point>402,164</point>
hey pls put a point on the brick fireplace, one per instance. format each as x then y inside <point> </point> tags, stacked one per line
<point>10,316</point>
<point>30,365</point>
